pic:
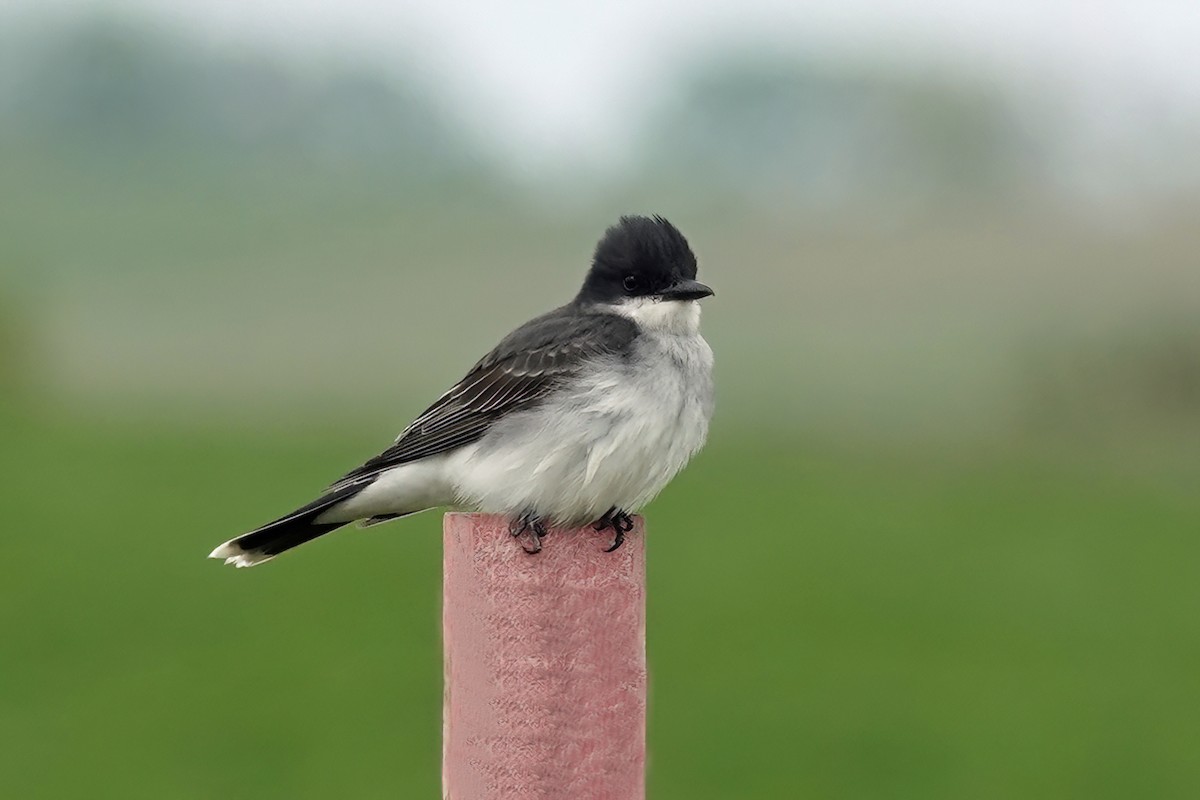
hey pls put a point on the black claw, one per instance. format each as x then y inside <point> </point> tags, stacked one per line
<point>619,521</point>
<point>617,541</point>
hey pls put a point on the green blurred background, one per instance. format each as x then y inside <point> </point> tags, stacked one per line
<point>942,544</point>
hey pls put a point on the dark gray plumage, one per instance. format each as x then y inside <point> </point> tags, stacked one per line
<point>527,366</point>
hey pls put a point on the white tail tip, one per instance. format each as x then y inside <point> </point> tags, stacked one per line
<point>235,555</point>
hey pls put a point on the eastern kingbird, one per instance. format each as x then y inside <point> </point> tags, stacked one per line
<point>580,415</point>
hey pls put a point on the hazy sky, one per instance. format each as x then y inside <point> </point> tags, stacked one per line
<point>563,78</point>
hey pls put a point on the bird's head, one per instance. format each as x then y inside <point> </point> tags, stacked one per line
<point>644,268</point>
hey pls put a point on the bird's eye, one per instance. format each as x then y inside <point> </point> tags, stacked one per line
<point>630,283</point>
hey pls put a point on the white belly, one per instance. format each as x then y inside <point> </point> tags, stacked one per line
<point>614,443</point>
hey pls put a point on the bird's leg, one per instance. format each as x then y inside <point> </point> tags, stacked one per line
<point>605,520</point>
<point>622,523</point>
<point>536,528</point>
<point>619,521</point>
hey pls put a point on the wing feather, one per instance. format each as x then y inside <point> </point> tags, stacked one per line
<point>527,366</point>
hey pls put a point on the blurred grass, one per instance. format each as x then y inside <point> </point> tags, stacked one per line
<point>855,592</point>
<point>825,621</point>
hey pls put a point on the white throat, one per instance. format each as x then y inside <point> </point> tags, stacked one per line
<point>661,316</point>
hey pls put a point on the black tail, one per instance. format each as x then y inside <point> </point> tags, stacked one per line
<point>298,527</point>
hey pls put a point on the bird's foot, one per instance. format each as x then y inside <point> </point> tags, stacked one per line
<point>619,521</point>
<point>532,525</point>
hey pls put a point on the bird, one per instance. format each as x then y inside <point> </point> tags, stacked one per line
<point>581,415</point>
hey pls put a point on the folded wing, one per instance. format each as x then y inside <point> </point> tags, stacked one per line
<point>529,364</point>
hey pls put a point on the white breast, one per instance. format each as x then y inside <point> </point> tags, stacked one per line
<point>616,440</point>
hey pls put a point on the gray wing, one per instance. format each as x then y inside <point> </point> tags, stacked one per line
<point>529,364</point>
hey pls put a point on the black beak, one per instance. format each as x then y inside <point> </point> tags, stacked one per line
<point>687,290</point>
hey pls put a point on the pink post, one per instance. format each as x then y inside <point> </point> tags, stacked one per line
<point>545,693</point>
